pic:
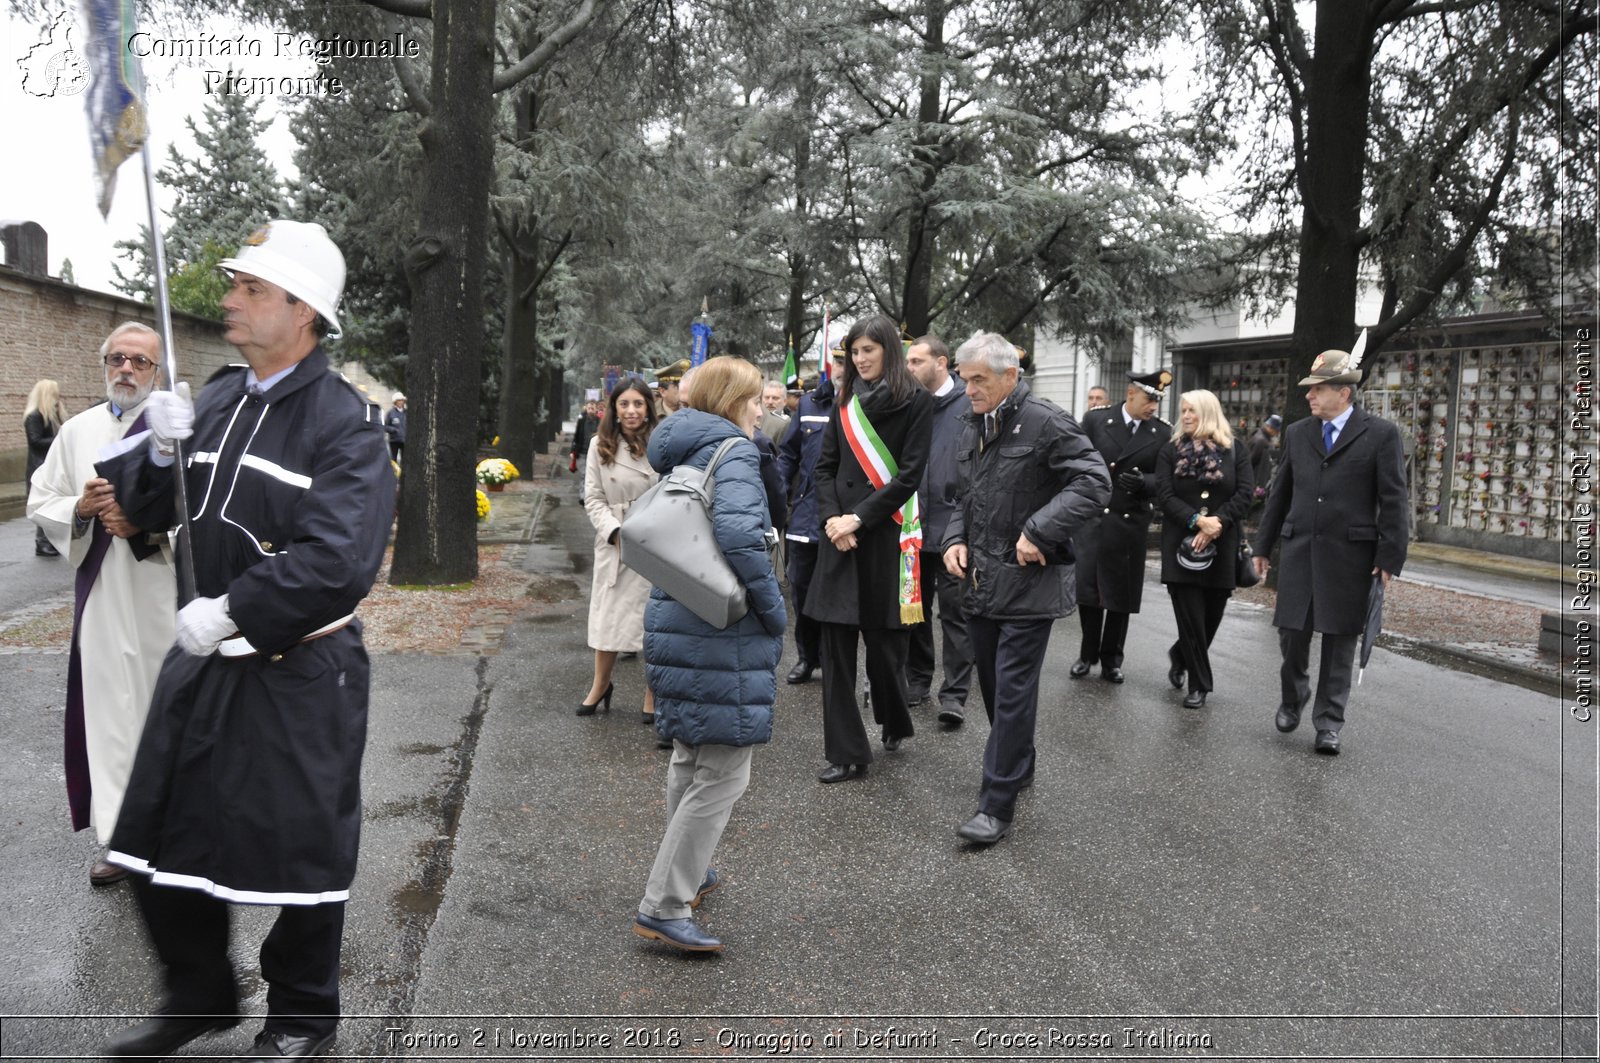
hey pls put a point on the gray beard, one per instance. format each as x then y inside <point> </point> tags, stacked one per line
<point>139,394</point>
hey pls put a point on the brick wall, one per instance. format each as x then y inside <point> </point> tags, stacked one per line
<point>49,329</point>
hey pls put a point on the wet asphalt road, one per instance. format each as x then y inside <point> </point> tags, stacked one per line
<point>1178,882</point>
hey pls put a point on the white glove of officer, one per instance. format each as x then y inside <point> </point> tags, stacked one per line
<point>203,624</point>
<point>170,415</point>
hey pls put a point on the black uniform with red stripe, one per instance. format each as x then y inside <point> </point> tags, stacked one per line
<point>247,780</point>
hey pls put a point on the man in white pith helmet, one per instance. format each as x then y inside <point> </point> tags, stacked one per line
<point>394,425</point>
<point>246,787</point>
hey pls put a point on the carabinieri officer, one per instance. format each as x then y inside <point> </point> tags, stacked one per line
<point>1110,550</point>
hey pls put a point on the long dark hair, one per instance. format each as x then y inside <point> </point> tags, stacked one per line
<point>611,428</point>
<point>896,377</point>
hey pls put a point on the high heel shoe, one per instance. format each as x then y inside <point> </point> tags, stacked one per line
<point>586,709</point>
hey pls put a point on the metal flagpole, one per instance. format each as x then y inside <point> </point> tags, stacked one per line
<point>158,259</point>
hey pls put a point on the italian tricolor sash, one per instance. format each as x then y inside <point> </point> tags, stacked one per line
<point>881,467</point>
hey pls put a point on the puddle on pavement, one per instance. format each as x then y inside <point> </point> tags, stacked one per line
<point>551,589</point>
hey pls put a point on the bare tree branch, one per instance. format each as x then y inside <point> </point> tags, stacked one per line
<point>1456,258</point>
<point>413,8</point>
<point>548,47</point>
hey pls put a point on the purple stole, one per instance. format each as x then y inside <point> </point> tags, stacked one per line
<point>77,742</point>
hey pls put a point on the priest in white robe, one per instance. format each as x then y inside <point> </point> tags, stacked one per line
<point>124,594</point>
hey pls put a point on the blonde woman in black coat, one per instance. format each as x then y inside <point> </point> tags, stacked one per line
<point>858,590</point>
<point>1203,488</point>
<point>41,420</point>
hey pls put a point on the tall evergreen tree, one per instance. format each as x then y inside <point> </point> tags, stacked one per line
<point>224,191</point>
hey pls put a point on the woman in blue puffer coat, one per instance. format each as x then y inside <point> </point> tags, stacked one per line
<point>714,688</point>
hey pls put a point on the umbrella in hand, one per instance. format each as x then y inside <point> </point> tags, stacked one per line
<point>1369,634</point>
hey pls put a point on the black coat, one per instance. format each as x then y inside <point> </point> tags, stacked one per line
<point>1039,477</point>
<point>861,587</point>
<point>798,454</point>
<point>394,424</point>
<point>1181,497</point>
<point>1337,517</point>
<point>1111,547</point>
<point>40,436</point>
<point>1262,452</point>
<point>941,480</point>
<point>248,776</point>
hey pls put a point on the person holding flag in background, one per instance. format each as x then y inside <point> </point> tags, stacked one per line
<point>866,581</point>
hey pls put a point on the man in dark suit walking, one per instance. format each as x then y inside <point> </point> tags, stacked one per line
<point>1338,504</point>
<point>1110,549</point>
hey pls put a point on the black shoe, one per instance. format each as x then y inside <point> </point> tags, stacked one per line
<point>984,829</point>
<point>1327,743</point>
<point>586,709</point>
<point>647,718</point>
<point>841,772</point>
<point>917,700</point>
<point>1079,669</point>
<point>1286,720</point>
<point>1111,675</point>
<point>1195,700</point>
<point>287,1046</point>
<point>892,742</point>
<point>801,672</point>
<point>1175,674</point>
<point>163,1035</point>
<point>45,550</point>
<point>951,716</point>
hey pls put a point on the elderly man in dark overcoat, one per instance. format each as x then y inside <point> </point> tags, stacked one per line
<point>1338,511</point>
<point>247,784</point>
<point>1027,478</point>
<point>1110,548</point>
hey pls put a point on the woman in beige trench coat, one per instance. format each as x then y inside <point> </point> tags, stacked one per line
<point>616,473</point>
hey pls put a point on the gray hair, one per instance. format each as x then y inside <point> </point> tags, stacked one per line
<point>129,326</point>
<point>990,348</point>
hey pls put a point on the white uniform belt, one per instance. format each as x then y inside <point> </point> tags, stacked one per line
<point>239,646</point>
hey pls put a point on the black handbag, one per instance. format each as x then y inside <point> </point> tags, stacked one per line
<point>1244,574</point>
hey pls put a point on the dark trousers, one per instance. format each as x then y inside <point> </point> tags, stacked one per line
<point>939,584</point>
<point>395,451</point>
<point>1008,656</point>
<point>299,959</point>
<point>807,635</point>
<point>1198,611</point>
<point>1104,633</point>
<point>844,736</point>
<point>1333,676</point>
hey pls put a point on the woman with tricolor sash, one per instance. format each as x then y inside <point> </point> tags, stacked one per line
<point>866,581</point>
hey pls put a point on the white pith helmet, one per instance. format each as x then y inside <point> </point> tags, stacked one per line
<point>298,257</point>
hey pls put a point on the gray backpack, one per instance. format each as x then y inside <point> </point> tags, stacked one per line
<point>667,537</point>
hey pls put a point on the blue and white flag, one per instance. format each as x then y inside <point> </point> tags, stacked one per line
<point>702,342</point>
<point>115,101</point>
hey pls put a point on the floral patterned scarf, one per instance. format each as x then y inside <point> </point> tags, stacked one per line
<point>1199,459</point>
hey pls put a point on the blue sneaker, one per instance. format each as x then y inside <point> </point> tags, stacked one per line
<point>683,934</point>
<point>713,880</point>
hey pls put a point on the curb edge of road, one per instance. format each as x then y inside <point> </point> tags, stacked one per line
<point>1521,675</point>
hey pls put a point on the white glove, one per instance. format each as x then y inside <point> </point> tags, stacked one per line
<point>203,624</point>
<point>170,415</point>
